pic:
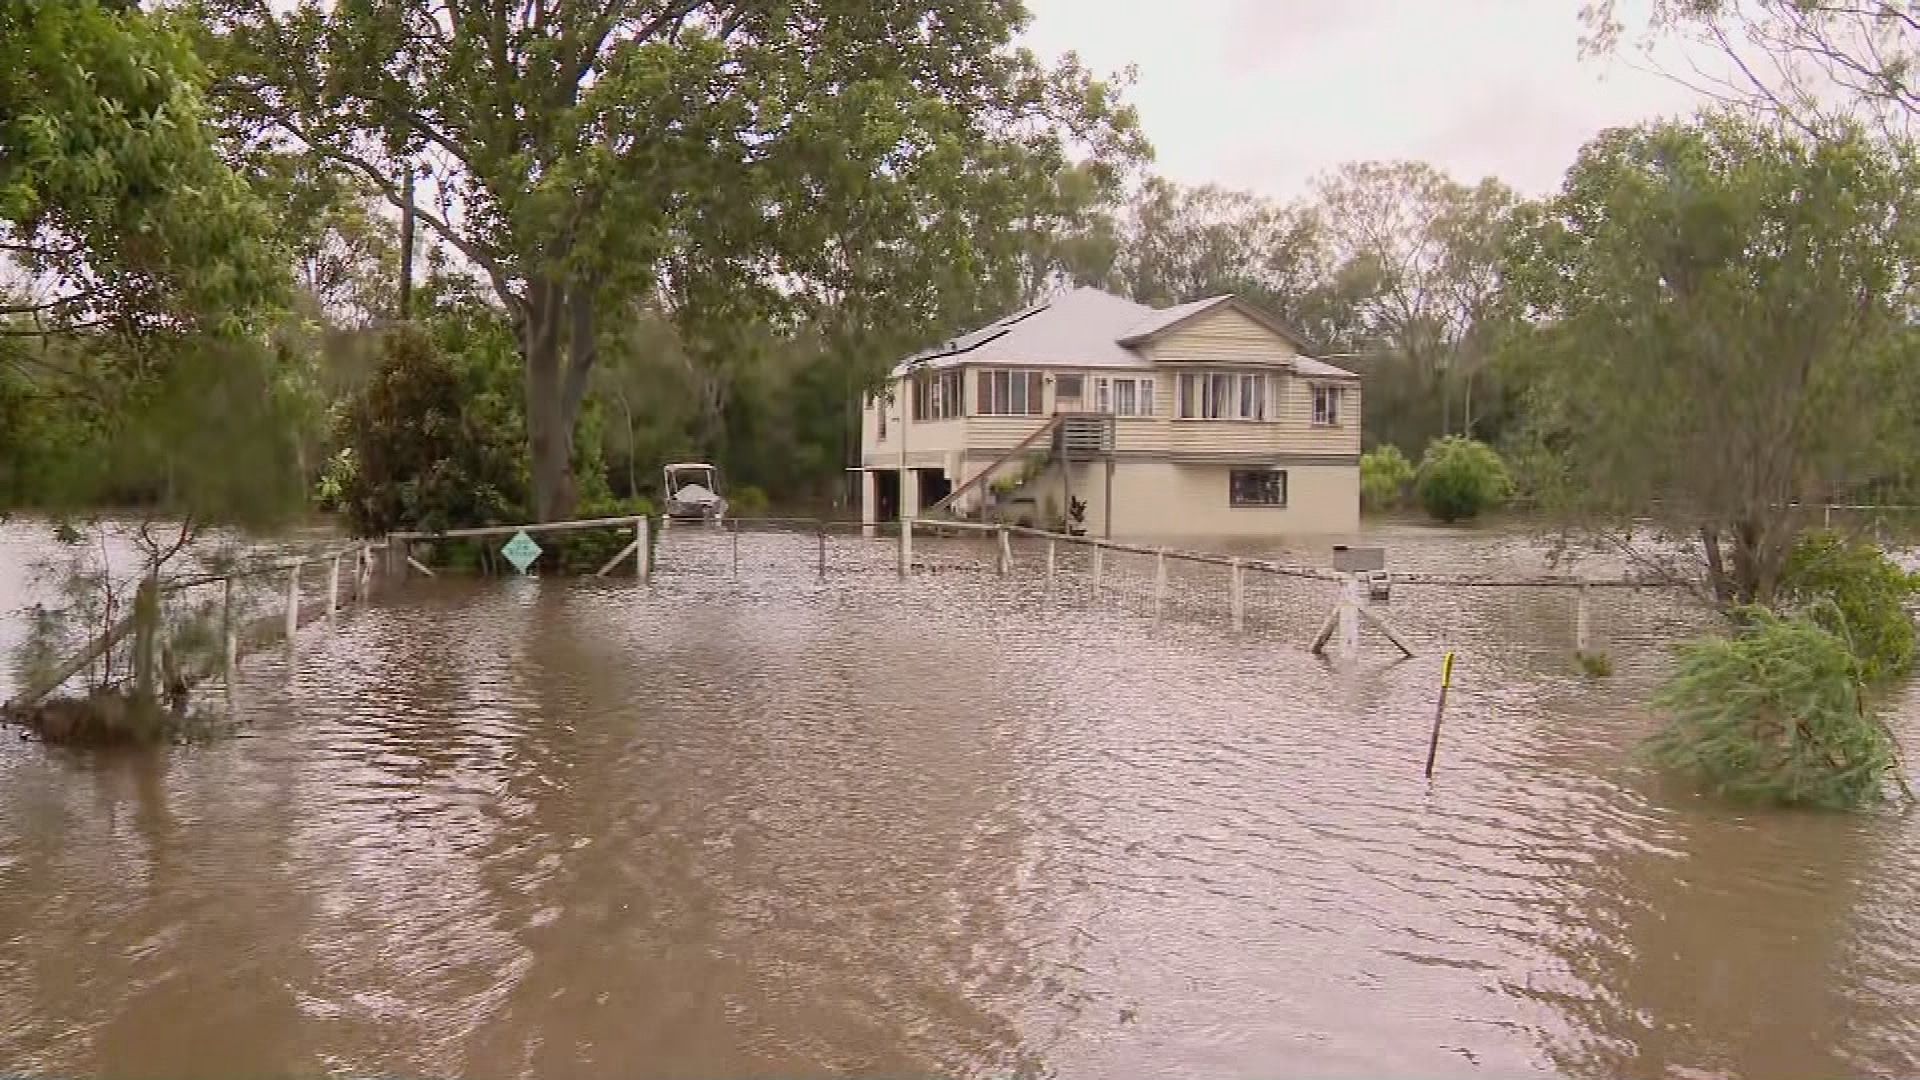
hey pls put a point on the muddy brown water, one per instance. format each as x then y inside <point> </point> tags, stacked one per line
<point>762,826</point>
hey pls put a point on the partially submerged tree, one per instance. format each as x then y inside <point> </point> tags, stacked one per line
<point>1725,334</point>
<point>751,161</point>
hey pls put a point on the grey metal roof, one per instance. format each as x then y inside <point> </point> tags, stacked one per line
<point>1165,317</point>
<point>1080,328</point>
<point>1084,327</point>
<point>1308,366</point>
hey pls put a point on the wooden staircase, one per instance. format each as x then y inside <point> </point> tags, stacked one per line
<point>1070,437</point>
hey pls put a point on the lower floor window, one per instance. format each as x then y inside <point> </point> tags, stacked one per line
<point>1257,487</point>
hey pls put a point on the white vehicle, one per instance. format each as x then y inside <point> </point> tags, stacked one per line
<point>693,492</point>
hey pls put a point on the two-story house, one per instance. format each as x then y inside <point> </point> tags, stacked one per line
<point>1198,420</point>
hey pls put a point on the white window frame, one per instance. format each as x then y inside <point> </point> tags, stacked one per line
<point>1128,396</point>
<point>1252,391</point>
<point>1221,395</point>
<point>1326,404</point>
<point>995,392</point>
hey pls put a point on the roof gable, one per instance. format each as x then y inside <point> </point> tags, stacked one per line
<point>1167,320</point>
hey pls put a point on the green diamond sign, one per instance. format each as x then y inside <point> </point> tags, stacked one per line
<point>521,551</point>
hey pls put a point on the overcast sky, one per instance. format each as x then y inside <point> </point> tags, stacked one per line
<point>1261,95</point>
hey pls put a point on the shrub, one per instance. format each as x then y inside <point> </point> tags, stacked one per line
<point>1774,714</point>
<point>1385,474</point>
<point>1854,591</point>
<point>585,551</point>
<point>1459,478</point>
<point>747,501</point>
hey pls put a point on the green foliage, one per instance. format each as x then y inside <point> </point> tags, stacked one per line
<point>110,183</point>
<point>730,164</point>
<point>748,501</point>
<point>1385,475</point>
<point>585,551</point>
<point>1724,331</point>
<point>1461,478</point>
<point>1595,664</point>
<point>436,437</point>
<point>1774,714</point>
<point>1858,594</point>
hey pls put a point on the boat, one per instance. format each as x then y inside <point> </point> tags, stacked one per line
<point>693,492</point>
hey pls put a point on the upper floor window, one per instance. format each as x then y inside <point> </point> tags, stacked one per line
<point>937,395</point>
<point>1326,405</point>
<point>1219,395</point>
<point>1008,393</point>
<point>1124,397</point>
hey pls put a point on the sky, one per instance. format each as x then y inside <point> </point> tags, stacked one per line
<point>1262,95</point>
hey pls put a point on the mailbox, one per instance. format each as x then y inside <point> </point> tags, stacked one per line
<point>1359,560</point>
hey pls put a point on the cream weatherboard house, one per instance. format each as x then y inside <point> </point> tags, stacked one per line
<point>1198,420</point>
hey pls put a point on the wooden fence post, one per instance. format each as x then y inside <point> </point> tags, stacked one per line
<point>293,602</point>
<point>642,556</point>
<point>906,547</point>
<point>1580,622</point>
<point>333,586</point>
<point>1159,582</point>
<point>1350,615</point>
<point>1005,561</point>
<point>1237,593</point>
<point>823,549</point>
<point>733,527</point>
<point>146,636</point>
<point>230,639</point>
<point>1052,565</point>
<point>1099,559</point>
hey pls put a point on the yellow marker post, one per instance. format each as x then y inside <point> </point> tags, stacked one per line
<point>1446,681</point>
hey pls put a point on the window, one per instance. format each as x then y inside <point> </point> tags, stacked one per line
<point>1206,396</point>
<point>1009,393</point>
<point>1125,397</point>
<point>1253,397</point>
<point>937,395</point>
<point>1257,487</point>
<point>880,407</point>
<point>1326,406</point>
<point>1069,386</point>
<point>1102,396</point>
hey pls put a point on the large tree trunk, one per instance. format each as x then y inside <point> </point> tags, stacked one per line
<point>557,342</point>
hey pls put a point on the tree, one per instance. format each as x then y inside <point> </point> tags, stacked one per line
<point>1815,65</point>
<point>141,268</point>
<point>747,161</point>
<point>1724,333</point>
<point>116,209</point>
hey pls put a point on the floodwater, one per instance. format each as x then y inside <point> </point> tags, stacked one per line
<point>761,825</point>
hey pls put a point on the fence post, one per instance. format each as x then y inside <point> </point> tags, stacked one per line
<point>293,601</point>
<point>1052,565</point>
<point>642,557</point>
<point>230,641</point>
<point>1237,593</point>
<point>1099,558</point>
<point>733,527</point>
<point>1159,582</point>
<point>823,549</point>
<point>1350,615</point>
<point>1580,622</point>
<point>146,634</point>
<point>333,586</point>
<point>1005,561</point>
<point>906,547</point>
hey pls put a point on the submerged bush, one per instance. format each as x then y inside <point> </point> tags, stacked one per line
<point>1774,714</point>
<point>1853,590</point>
<point>1460,478</point>
<point>1385,474</point>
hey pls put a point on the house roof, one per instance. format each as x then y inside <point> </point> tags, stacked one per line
<point>1089,328</point>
